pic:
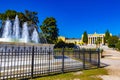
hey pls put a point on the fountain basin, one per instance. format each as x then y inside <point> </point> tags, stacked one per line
<point>44,47</point>
<point>6,40</point>
<point>11,40</point>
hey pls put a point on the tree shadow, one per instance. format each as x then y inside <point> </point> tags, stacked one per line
<point>60,57</point>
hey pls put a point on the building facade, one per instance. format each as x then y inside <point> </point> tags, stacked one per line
<point>70,40</point>
<point>74,41</point>
<point>61,38</point>
<point>92,38</point>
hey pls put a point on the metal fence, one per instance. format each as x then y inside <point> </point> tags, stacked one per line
<point>24,62</point>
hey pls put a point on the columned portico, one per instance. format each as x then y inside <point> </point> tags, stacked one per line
<point>92,38</point>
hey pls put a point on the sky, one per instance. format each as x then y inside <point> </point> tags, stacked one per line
<point>73,16</point>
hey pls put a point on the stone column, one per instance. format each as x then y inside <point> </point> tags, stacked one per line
<point>90,40</point>
<point>95,39</point>
<point>102,40</point>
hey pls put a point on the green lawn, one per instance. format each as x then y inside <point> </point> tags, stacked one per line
<point>81,75</point>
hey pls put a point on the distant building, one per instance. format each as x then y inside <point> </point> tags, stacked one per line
<point>70,40</point>
<point>61,38</point>
<point>92,38</point>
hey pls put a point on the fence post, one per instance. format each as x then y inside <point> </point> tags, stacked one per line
<point>83,51</point>
<point>74,52</point>
<point>79,53</point>
<point>62,60</point>
<point>98,58</point>
<point>49,59</point>
<point>32,63</point>
<point>90,56</point>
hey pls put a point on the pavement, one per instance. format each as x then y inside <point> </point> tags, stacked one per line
<point>112,60</point>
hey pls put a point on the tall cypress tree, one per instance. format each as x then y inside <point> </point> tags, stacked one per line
<point>85,37</point>
<point>107,36</point>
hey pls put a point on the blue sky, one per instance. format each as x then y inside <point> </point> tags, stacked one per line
<point>73,16</point>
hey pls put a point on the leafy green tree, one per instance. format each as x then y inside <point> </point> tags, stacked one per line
<point>85,37</point>
<point>118,45</point>
<point>42,38</point>
<point>29,16</point>
<point>112,41</point>
<point>49,28</point>
<point>8,14</point>
<point>107,36</point>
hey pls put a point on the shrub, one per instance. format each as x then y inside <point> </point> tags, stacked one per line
<point>62,44</point>
<point>118,45</point>
<point>112,41</point>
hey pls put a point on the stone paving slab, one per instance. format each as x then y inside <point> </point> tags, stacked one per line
<point>113,62</point>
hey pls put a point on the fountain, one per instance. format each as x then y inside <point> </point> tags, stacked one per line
<point>25,33</point>
<point>35,38</point>
<point>13,34</point>
<point>6,36</point>
<point>16,29</point>
<point>19,46</point>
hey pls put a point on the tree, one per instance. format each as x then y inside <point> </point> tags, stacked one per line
<point>32,17</point>
<point>8,14</point>
<point>118,45</point>
<point>112,41</point>
<point>107,36</point>
<point>42,38</point>
<point>29,16</point>
<point>49,28</point>
<point>85,37</point>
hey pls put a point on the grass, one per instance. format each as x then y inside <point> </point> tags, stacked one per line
<point>84,75</point>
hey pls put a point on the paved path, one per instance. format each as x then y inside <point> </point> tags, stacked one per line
<point>112,59</point>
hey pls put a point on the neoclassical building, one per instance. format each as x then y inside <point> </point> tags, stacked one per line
<point>92,38</point>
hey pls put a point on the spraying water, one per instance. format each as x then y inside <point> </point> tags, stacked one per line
<point>35,37</point>
<point>25,33</point>
<point>7,29</point>
<point>24,36</point>
<point>16,30</point>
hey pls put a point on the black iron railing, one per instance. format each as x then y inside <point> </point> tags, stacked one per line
<point>21,62</point>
